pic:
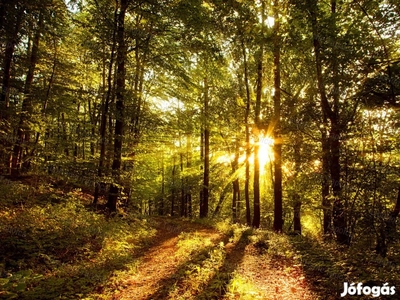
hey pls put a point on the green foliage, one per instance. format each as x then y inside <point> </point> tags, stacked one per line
<point>62,248</point>
<point>241,287</point>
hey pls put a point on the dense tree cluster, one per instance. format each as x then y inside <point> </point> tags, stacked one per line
<point>287,108</point>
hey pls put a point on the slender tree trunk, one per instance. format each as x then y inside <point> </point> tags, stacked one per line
<point>104,113</point>
<point>201,157</point>
<point>257,111</point>
<point>162,184</point>
<point>278,212</point>
<point>339,218</point>
<point>326,203</point>
<point>188,164</point>
<point>46,100</point>
<point>64,134</point>
<point>339,210</point>
<point>206,178</point>
<point>182,200</point>
<point>120,94</point>
<point>247,137</point>
<point>11,40</point>
<point>23,131</point>
<point>296,197</point>
<point>173,188</point>
<point>235,184</point>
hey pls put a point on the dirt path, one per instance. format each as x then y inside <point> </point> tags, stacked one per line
<point>160,261</point>
<point>161,267</point>
<point>273,278</point>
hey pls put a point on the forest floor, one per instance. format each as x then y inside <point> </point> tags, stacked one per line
<point>55,245</point>
<point>172,268</point>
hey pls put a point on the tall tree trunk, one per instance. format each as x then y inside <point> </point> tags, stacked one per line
<point>161,209</point>
<point>104,112</point>
<point>206,171</point>
<point>326,203</point>
<point>23,131</point>
<point>257,112</point>
<point>173,188</point>
<point>120,94</point>
<point>183,198</point>
<point>188,164</point>
<point>339,209</point>
<point>247,137</point>
<point>296,197</point>
<point>64,134</point>
<point>235,184</point>
<point>278,212</point>
<point>339,218</point>
<point>11,41</point>
<point>47,98</point>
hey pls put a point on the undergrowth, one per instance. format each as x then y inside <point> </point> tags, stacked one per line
<point>52,246</point>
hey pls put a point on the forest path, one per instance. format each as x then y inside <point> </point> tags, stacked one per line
<point>193,261</point>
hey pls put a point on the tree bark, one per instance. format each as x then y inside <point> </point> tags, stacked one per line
<point>257,112</point>
<point>23,131</point>
<point>206,171</point>
<point>326,203</point>
<point>235,185</point>
<point>188,164</point>
<point>339,218</point>
<point>173,188</point>
<point>247,137</point>
<point>183,198</point>
<point>104,113</point>
<point>161,210</point>
<point>120,94</point>
<point>278,212</point>
<point>339,209</point>
<point>296,197</point>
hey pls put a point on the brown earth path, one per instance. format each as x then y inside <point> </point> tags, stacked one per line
<point>160,264</point>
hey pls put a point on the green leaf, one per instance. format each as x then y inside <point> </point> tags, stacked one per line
<point>21,287</point>
<point>4,281</point>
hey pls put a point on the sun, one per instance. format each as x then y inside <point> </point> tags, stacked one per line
<point>266,152</point>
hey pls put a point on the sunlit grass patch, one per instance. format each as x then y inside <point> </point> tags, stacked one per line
<point>61,249</point>
<point>190,243</point>
<point>234,231</point>
<point>199,273</point>
<point>241,287</point>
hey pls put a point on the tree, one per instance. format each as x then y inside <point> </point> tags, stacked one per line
<point>23,131</point>
<point>206,169</point>
<point>278,214</point>
<point>120,96</point>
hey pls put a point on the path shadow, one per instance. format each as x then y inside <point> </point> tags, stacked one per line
<point>169,283</point>
<point>218,285</point>
<point>323,276</point>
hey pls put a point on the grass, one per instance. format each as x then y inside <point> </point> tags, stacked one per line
<point>54,247</point>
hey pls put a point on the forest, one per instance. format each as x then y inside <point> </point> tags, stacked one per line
<point>199,149</point>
